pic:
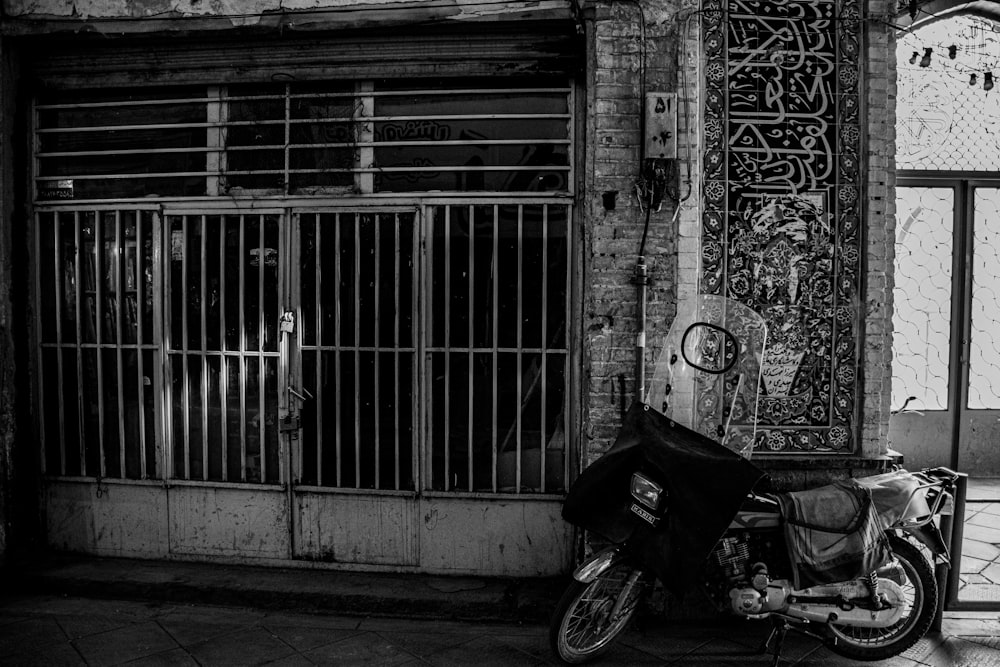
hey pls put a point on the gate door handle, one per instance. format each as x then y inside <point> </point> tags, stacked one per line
<point>303,396</point>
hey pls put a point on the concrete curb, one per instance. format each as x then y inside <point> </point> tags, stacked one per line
<point>309,590</point>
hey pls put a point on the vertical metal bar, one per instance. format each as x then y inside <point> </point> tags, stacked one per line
<point>963,262</point>
<point>160,343</point>
<point>520,327</point>
<point>318,388</point>
<point>140,304</point>
<point>336,346</point>
<point>243,350</point>
<point>80,295</point>
<point>288,141</point>
<point>185,375</point>
<point>37,291</point>
<point>447,348</point>
<point>567,367</point>
<point>426,365</point>
<point>203,315</point>
<point>364,110</point>
<point>59,268</point>
<point>495,344</point>
<point>378,347</point>
<point>261,370</point>
<point>98,351</point>
<point>357,351</point>
<point>395,352</point>
<point>571,134</point>
<point>223,358</point>
<point>119,287</point>
<point>957,535</point>
<point>471,331</point>
<point>213,140</point>
<point>544,346</point>
<point>419,409</point>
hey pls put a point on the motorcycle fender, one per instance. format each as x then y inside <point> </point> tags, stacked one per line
<point>597,564</point>
<point>930,536</point>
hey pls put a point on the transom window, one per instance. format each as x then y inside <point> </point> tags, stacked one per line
<point>304,138</point>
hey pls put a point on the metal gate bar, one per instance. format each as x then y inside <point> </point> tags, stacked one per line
<point>486,441</point>
<point>354,438</point>
<point>210,376</point>
<point>94,301</point>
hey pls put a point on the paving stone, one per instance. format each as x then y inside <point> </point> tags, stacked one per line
<point>423,644</point>
<point>23,636</point>
<point>979,593</point>
<point>305,638</point>
<point>362,649</point>
<point>992,572</point>
<point>191,631</point>
<point>254,646</point>
<point>125,644</point>
<point>955,652</point>
<point>982,533</point>
<point>981,550</point>
<point>56,655</point>
<point>984,519</point>
<point>972,565</point>
<point>991,508</point>
<point>177,657</point>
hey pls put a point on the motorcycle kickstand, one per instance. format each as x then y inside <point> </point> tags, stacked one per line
<point>779,628</point>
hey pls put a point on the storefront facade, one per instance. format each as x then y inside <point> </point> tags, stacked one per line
<point>355,286</point>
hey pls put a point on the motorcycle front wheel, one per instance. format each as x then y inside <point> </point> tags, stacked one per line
<point>920,589</point>
<point>590,616</point>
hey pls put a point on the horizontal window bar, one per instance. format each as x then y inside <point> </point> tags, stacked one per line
<point>374,170</point>
<point>315,96</point>
<point>293,146</point>
<point>301,121</point>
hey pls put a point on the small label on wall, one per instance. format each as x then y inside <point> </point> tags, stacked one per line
<point>62,189</point>
<point>661,125</point>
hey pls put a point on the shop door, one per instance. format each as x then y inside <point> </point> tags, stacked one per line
<point>352,389</point>
<point>226,458</point>
<point>947,296</point>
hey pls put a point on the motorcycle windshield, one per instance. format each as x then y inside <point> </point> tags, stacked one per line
<point>710,372</point>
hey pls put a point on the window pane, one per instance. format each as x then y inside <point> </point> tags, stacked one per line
<point>945,117</point>
<point>984,351</point>
<point>922,314</point>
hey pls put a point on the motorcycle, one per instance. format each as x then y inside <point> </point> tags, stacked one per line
<point>679,501</point>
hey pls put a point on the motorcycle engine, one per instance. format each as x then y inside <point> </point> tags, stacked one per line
<point>739,569</point>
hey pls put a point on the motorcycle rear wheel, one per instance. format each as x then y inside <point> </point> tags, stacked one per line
<point>582,625</point>
<point>921,592</point>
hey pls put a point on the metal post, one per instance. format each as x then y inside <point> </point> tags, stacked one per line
<point>641,281</point>
<point>947,575</point>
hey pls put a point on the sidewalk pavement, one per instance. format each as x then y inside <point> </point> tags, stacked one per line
<point>116,612</point>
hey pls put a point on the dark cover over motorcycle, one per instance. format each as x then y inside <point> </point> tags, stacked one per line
<point>678,500</point>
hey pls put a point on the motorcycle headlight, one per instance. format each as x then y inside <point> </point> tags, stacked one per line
<point>646,491</point>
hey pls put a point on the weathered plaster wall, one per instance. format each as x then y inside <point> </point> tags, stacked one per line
<point>8,367</point>
<point>158,15</point>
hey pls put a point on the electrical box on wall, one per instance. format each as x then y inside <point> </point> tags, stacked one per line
<point>661,125</point>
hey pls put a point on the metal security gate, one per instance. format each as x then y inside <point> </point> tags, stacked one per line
<point>350,385</point>
<point>356,318</point>
<point>428,373</point>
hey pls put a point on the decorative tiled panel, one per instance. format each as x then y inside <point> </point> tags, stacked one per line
<point>782,209</point>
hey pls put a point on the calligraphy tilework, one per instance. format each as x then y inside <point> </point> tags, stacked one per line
<point>781,226</point>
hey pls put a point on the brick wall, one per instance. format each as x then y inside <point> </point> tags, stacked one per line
<point>616,70</point>
<point>880,228</point>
